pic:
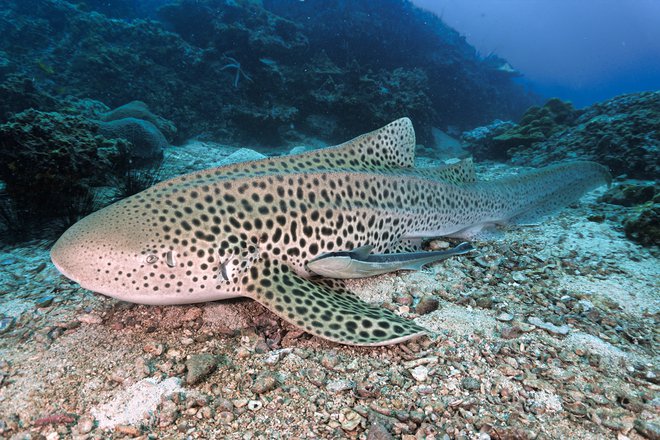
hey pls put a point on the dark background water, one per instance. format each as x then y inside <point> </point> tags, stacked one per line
<point>584,51</point>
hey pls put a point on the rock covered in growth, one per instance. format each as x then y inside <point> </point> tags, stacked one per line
<point>147,142</point>
<point>622,133</point>
<point>140,110</point>
<point>47,160</point>
<point>20,92</point>
<point>643,224</point>
<point>641,221</point>
<point>480,143</point>
<point>537,124</point>
<point>631,194</point>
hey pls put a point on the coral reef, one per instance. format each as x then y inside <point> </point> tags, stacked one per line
<point>463,89</point>
<point>20,93</point>
<point>622,133</point>
<point>537,124</point>
<point>48,160</point>
<point>140,110</point>
<point>480,141</point>
<point>220,67</point>
<point>146,141</point>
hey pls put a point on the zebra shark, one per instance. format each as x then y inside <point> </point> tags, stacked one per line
<point>249,229</point>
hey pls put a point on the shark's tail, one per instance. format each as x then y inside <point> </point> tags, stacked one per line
<point>538,193</point>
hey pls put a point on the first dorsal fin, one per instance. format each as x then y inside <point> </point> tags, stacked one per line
<point>392,146</point>
<point>389,147</point>
<point>459,172</point>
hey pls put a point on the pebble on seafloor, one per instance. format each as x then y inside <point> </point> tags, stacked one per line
<point>85,424</point>
<point>199,366</point>
<point>339,385</point>
<point>45,301</point>
<point>427,305</point>
<point>560,330</point>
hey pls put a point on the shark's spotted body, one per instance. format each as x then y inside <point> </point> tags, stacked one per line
<point>249,229</point>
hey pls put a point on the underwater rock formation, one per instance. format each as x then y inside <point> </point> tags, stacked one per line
<point>631,194</point>
<point>537,124</point>
<point>480,141</point>
<point>643,224</point>
<point>641,221</point>
<point>48,160</point>
<point>20,93</point>
<point>146,141</point>
<point>220,67</point>
<point>140,110</point>
<point>51,164</point>
<point>622,133</point>
<point>370,37</point>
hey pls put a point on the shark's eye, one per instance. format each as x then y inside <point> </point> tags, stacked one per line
<point>151,258</point>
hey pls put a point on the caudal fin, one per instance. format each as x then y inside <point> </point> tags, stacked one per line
<point>544,191</point>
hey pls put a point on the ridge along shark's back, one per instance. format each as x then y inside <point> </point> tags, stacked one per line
<point>249,229</point>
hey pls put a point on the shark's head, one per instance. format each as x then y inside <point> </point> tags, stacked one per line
<point>124,251</point>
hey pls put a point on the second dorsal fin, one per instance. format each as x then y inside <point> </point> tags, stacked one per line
<point>459,172</point>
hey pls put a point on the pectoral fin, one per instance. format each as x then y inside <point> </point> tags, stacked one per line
<point>329,313</point>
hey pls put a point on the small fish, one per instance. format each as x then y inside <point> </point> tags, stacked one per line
<point>360,263</point>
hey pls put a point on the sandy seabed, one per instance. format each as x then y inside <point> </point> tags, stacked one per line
<point>548,332</point>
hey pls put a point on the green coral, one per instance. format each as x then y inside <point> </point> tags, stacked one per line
<point>622,133</point>
<point>538,124</point>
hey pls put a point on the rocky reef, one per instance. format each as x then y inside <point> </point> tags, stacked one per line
<point>622,133</point>
<point>221,68</point>
<point>244,72</point>
<point>641,222</point>
<point>51,162</point>
<point>49,159</point>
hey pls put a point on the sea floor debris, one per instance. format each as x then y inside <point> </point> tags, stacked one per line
<point>67,355</point>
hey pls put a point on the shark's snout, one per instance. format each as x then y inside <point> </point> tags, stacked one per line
<point>71,253</point>
<point>60,255</point>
